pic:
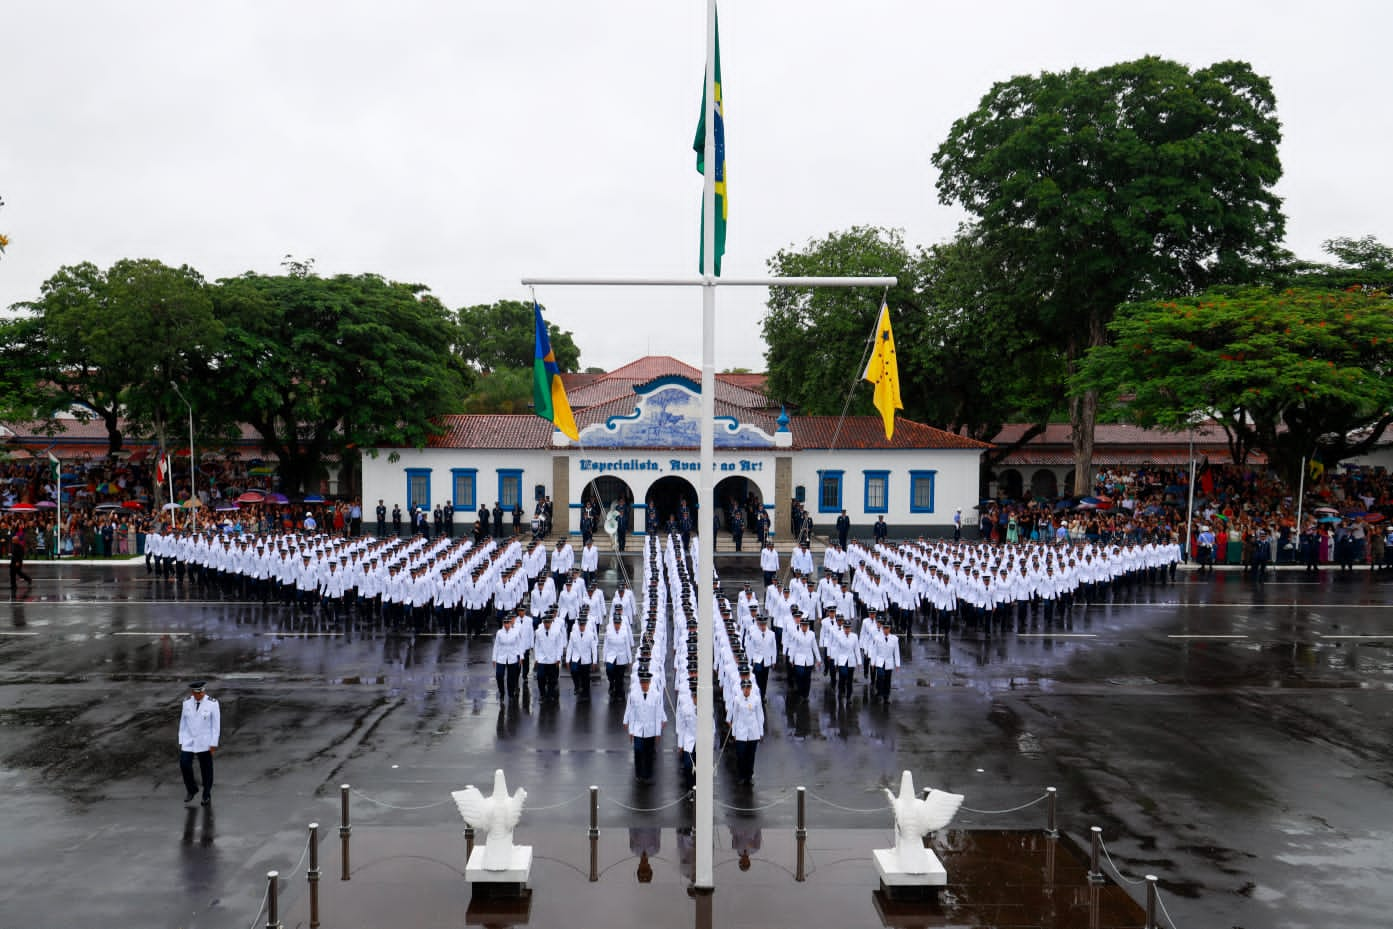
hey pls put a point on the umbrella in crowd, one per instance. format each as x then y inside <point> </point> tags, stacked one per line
<point>225,508</point>
<point>170,506</point>
<point>192,503</point>
<point>1329,519</point>
<point>23,508</point>
<point>281,499</point>
<point>131,504</point>
<point>46,505</point>
<point>252,496</point>
<point>313,498</point>
<point>1327,510</point>
<point>107,507</point>
<point>1374,518</point>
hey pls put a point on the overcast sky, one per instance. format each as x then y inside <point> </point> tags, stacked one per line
<point>465,145</point>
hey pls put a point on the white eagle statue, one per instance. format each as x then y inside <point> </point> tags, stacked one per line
<point>496,816</point>
<point>916,818</point>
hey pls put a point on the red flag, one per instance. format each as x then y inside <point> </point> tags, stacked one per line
<point>161,468</point>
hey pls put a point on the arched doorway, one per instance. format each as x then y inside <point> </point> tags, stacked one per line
<point>665,499</point>
<point>601,493</point>
<point>1044,485</point>
<point>1009,484</point>
<point>738,491</point>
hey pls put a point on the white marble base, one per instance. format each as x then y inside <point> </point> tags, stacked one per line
<point>887,865</point>
<point>517,872</point>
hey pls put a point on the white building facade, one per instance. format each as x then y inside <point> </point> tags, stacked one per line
<point>639,443</point>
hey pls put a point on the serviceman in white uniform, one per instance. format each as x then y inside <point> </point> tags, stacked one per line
<point>200,725</point>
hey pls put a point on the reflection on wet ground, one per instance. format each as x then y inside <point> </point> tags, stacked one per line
<point>1229,738</point>
<point>765,877</point>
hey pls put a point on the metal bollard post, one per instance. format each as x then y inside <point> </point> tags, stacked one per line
<point>594,832</point>
<point>1095,873</point>
<point>1151,902</point>
<point>802,831</point>
<point>1052,824</point>
<point>312,875</point>
<point>273,920</point>
<point>345,829</point>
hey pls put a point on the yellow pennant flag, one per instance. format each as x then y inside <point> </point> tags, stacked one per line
<point>884,372</point>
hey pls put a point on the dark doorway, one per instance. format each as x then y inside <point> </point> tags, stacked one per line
<point>665,499</point>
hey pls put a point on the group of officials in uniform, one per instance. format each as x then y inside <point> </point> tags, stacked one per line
<point>547,611</point>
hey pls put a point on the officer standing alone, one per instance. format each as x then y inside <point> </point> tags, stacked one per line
<point>200,725</point>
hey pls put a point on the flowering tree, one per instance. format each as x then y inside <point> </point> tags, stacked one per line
<point>1289,372</point>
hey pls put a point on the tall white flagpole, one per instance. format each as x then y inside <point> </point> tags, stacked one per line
<point>704,763</point>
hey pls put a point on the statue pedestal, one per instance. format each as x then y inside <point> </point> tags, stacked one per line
<point>506,882</point>
<point>900,884</point>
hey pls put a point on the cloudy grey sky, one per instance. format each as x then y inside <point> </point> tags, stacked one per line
<point>465,145</point>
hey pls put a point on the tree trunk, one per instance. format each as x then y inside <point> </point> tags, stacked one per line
<point>1083,408</point>
<point>113,432</point>
<point>1083,414</point>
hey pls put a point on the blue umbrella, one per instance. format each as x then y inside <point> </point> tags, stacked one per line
<point>313,498</point>
<point>1329,519</point>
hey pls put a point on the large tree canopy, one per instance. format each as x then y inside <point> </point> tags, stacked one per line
<point>497,336</point>
<point>1286,372</point>
<point>319,366</point>
<point>109,342</point>
<point>1139,180</point>
<point>953,322</point>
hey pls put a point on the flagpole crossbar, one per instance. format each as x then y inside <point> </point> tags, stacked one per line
<point>709,281</point>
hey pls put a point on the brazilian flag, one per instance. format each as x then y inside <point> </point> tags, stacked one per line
<point>720,167</point>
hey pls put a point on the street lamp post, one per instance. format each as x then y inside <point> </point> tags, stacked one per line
<point>193,488</point>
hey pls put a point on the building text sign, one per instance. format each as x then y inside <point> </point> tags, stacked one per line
<point>743,465</point>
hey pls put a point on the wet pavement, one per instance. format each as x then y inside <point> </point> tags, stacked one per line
<point>1233,740</point>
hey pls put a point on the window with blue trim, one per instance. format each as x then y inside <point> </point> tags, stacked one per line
<point>509,487</point>
<point>877,499</point>
<point>417,488</point>
<point>829,491</point>
<point>466,488</point>
<point>921,491</point>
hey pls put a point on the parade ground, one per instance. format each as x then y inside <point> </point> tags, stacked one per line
<point>1232,739</point>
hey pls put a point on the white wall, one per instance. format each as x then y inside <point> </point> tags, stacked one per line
<point>955,483</point>
<point>386,480</point>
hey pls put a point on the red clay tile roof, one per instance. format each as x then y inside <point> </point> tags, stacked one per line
<point>493,430</point>
<point>754,382</point>
<point>869,432</point>
<point>651,366</point>
<point>622,382</point>
<point>1112,434</point>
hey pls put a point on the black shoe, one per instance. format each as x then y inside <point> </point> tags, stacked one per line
<point>188,798</point>
<point>207,801</point>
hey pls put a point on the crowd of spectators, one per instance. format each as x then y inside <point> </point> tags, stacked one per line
<point>1343,516</point>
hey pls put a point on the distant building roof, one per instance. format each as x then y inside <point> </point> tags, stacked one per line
<point>869,432</point>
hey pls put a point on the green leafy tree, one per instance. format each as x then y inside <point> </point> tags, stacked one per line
<point>817,338</point>
<point>1364,262</point>
<point>502,335</point>
<point>109,343</point>
<point>1286,372</point>
<point>321,367</point>
<point>503,390</point>
<point>953,330</point>
<point>1134,181</point>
